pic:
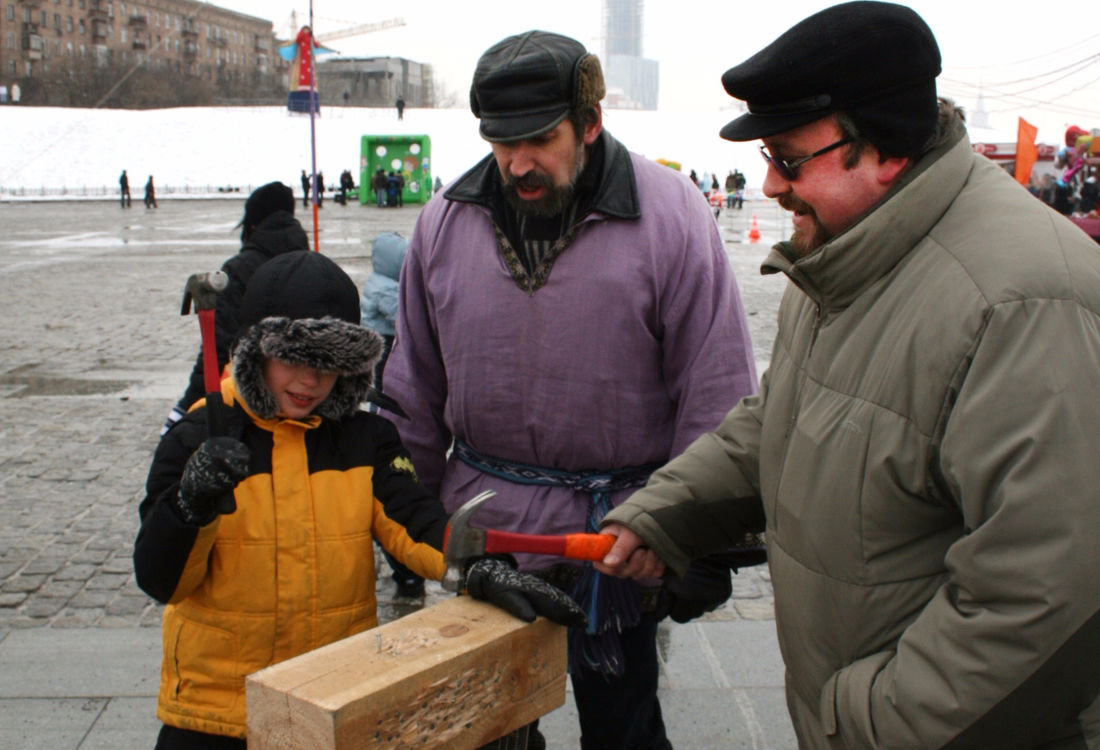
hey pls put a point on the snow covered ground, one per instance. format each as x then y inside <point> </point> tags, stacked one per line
<point>52,148</point>
<point>83,151</point>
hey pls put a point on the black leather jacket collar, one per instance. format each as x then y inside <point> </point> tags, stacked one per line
<point>616,193</point>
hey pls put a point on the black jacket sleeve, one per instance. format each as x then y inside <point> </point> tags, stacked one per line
<point>405,500</point>
<point>164,540</point>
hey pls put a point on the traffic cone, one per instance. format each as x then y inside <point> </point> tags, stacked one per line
<point>754,231</point>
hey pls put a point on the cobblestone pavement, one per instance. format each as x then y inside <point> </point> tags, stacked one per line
<point>93,352</point>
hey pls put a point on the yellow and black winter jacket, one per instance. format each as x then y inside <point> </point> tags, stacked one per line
<point>292,568</point>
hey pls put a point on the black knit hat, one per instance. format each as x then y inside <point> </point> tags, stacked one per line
<point>300,284</point>
<point>875,61</point>
<point>264,201</point>
<point>528,83</point>
<point>301,307</point>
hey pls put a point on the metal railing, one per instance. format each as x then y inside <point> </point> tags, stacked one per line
<point>111,192</point>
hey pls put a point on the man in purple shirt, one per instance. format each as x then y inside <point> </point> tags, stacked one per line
<point>568,321</point>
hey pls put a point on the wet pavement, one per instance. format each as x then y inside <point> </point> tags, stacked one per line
<point>93,353</point>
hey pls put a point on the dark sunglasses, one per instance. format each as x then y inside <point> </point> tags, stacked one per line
<point>788,170</point>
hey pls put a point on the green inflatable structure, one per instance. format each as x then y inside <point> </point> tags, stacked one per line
<point>409,155</point>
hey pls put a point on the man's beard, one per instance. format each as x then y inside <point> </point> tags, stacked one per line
<point>804,243</point>
<point>556,198</point>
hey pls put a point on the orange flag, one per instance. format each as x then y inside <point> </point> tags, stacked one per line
<point>1026,152</point>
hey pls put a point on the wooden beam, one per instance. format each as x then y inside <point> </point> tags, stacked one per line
<point>457,675</point>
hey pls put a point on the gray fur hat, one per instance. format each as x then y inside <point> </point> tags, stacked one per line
<point>301,308</point>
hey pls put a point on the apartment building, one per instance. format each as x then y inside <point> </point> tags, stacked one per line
<point>55,40</point>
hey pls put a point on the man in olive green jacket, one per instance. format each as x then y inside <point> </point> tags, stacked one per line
<point>923,450</point>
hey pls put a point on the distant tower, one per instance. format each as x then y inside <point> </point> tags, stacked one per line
<point>632,80</point>
<point>979,118</point>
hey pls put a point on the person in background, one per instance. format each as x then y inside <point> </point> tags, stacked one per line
<point>256,541</point>
<point>124,189</point>
<point>922,452</point>
<point>150,193</point>
<point>268,229</point>
<point>378,185</point>
<point>378,306</point>
<point>347,184</point>
<point>568,320</point>
<point>400,104</point>
<point>392,190</point>
<point>305,189</point>
<point>739,187</point>
<point>400,188</point>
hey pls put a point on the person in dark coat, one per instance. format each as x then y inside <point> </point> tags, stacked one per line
<point>393,191</point>
<point>305,189</point>
<point>124,188</point>
<point>150,193</point>
<point>319,183</point>
<point>739,187</point>
<point>378,185</point>
<point>347,183</point>
<point>400,104</point>
<point>268,229</point>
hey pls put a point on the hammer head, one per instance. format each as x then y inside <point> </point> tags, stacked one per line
<point>203,288</point>
<point>463,540</point>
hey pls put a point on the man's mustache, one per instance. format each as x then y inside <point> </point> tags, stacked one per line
<point>790,203</point>
<point>530,181</point>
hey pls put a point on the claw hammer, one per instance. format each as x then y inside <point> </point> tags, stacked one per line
<point>463,541</point>
<point>203,289</point>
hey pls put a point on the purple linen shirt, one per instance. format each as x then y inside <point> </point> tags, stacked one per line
<point>635,346</point>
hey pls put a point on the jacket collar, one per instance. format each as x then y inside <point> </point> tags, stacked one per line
<point>276,234</point>
<point>616,192</point>
<point>231,397</point>
<point>844,267</point>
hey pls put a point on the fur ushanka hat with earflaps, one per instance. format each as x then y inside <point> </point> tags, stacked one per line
<point>301,308</point>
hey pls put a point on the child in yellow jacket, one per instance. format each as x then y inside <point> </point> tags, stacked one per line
<point>259,541</point>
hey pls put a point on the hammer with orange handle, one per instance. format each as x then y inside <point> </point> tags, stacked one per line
<point>464,541</point>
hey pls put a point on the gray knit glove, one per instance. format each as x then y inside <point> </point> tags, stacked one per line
<point>521,594</point>
<point>211,473</point>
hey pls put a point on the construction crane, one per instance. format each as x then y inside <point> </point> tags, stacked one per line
<point>365,28</point>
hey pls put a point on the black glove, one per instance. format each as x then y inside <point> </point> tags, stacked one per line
<point>705,586</point>
<point>211,473</point>
<point>521,594</point>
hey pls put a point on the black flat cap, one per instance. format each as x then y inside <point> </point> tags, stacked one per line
<point>524,85</point>
<point>875,61</point>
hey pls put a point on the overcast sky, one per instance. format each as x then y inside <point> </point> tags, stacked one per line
<point>1025,63</point>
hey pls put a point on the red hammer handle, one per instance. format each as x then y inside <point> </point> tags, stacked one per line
<point>572,546</point>
<point>211,376</point>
